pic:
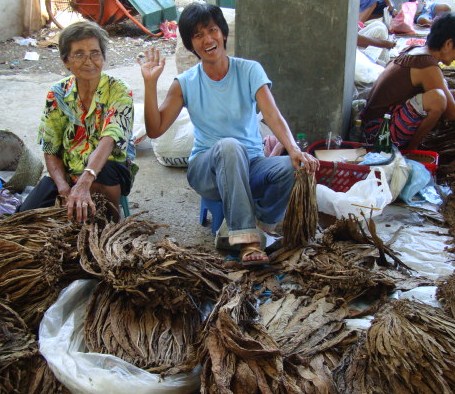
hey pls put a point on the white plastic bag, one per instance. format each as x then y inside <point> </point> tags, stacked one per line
<point>173,148</point>
<point>399,174</point>
<point>370,194</point>
<point>366,71</point>
<point>62,344</point>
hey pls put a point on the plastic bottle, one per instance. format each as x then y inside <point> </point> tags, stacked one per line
<point>356,132</point>
<point>302,142</point>
<point>383,143</point>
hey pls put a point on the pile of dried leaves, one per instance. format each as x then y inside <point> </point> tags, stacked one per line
<point>38,258</point>
<point>441,139</point>
<point>446,295</point>
<point>147,309</point>
<point>409,348</point>
<point>346,262</point>
<point>312,337</point>
<point>145,335</point>
<point>279,329</point>
<point>22,369</point>
<point>236,352</point>
<point>161,273</point>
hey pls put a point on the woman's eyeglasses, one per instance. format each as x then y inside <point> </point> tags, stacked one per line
<point>82,57</point>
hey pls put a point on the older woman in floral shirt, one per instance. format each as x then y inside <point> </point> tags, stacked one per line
<point>85,128</point>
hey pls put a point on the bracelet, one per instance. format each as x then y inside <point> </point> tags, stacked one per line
<point>91,171</point>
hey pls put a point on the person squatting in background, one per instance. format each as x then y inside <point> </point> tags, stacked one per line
<point>413,90</point>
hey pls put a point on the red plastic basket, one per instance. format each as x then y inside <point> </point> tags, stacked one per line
<point>428,158</point>
<point>339,176</point>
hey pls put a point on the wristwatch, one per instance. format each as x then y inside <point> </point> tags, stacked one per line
<point>91,171</point>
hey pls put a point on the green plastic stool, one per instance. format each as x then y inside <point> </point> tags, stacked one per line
<point>125,206</point>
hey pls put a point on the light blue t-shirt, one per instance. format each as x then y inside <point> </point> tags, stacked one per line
<point>226,108</point>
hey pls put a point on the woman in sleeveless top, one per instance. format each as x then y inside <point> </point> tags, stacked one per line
<point>413,90</point>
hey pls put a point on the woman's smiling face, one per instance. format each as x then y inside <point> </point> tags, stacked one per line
<point>208,41</point>
<point>85,60</point>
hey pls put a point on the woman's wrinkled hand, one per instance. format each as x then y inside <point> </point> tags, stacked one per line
<point>152,64</point>
<point>78,203</point>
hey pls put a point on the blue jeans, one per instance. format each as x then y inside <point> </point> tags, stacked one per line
<point>252,191</point>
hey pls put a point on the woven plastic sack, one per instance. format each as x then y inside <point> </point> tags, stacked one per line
<point>403,22</point>
<point>15,156</point>
<point>173,148</point>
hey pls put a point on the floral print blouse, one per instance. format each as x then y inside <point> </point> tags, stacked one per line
<point>72,133</point>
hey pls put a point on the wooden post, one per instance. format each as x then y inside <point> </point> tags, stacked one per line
<point>32,17</point>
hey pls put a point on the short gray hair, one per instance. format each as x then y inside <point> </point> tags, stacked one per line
<point>80,31</point>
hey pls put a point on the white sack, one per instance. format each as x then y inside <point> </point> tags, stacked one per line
<point>173,148</point>
<point>365,70</point>
<point>61,340</point>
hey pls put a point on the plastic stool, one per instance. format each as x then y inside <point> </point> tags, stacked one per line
<point>125,205</point>
<point>216,209</point>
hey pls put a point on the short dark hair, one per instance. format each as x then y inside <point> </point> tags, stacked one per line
<point>442,29</point>
<point>80,31</point>
<point>196,14</point>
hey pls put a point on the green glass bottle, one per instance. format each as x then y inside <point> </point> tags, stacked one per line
<point>302,142</point>
<point>383,142</point>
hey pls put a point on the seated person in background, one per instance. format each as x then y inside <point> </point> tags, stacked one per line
<point>413,90</point>
<point>375,34</point>
<point>85,128</point>
<point>227,162</point>
<point>426,13</point>
<point>370,9</point>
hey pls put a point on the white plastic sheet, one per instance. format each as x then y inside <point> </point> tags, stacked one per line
<point>62,344</point>
<point>425,294</point>
<point>420,244</point>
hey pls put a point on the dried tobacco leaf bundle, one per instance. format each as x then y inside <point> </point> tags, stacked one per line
<point>448,211</point>
<point>446,295</point>
<point>16,340</point>
<point>237,353</point>
<point>160,272</point>
<point>34,246</point>
<point>22,369</point>
<point>305,328</point>
<point>29,375</point>
<point>409,348</point>
<point>350,231</point>
<point>149,337</point>
<point>301,218</point>
<point>312,336</point>
<point>311,270</point>
<point>441,139</point>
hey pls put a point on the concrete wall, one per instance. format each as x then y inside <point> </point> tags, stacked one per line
<point>11,18</point>
<point>307,49</point>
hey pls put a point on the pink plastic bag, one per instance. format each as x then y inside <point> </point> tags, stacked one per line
<point>403,22</point>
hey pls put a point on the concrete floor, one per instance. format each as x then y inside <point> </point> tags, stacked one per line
<point>161,191</point>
